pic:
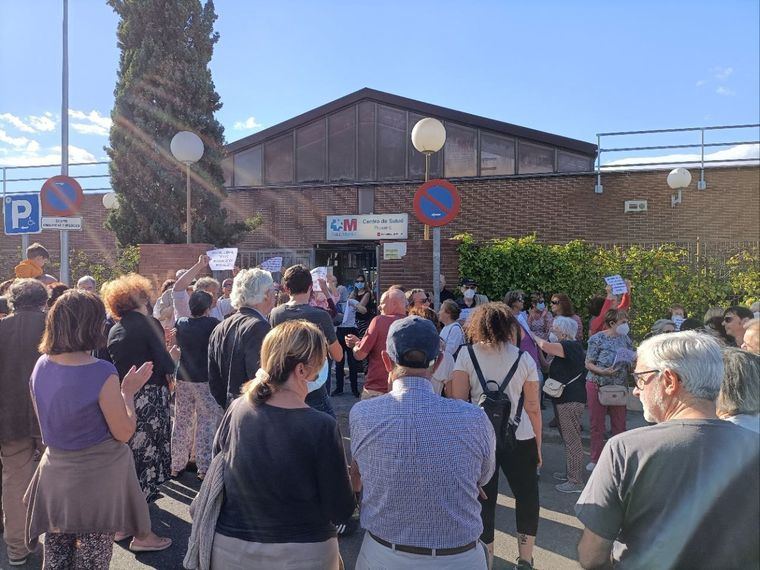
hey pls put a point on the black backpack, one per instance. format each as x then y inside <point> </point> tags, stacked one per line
<point>497,406</point>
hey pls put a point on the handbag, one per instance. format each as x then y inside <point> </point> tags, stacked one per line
<point>555,388</point>
<point>613,395</point>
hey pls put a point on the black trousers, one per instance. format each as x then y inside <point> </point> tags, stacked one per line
<point>519,466</point>
<point>353,364</point>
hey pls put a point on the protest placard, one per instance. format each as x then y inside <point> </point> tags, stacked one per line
<point>222,259</point>
<point>316,274</point>
<point>273,264</point>
<point>617,284</point>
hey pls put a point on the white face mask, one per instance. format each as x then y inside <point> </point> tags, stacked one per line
<point>623,329</point>
<point>469,293</point>
<point>553,337</point>
<point>321,378</point>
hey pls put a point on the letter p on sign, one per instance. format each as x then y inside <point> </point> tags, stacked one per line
<point>20,210</point>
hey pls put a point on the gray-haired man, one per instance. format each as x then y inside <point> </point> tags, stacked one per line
<point>683,493</point>
<point>420,459</point>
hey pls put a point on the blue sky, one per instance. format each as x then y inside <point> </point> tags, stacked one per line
<point>571,68</point>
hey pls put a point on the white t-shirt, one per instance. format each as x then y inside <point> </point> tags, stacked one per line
<point>453,336</point>
<point>443,373</point>
<point>495,363</point>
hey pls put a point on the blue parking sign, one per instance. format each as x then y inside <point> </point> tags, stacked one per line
<point>22,214</point>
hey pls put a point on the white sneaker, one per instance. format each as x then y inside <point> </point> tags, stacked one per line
<point>590,466</point>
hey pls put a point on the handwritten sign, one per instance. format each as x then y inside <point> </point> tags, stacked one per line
<point>273,264</point>
<point>222,259</point>
<point>617,284</point>
<point>316,274</point>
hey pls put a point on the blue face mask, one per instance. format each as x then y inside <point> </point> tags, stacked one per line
<point>359,284</point>
<point>321,378</point>
<point>540,306</point>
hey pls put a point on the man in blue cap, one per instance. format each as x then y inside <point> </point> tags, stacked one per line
<point>420,460</point>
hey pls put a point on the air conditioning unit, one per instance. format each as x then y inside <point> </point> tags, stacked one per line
<point>635,206</point>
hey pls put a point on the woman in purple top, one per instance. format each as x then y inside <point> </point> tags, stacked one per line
<point>85,489</point>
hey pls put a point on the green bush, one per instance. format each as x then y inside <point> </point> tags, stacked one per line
<point>660,275</point>
<point>104,269</point>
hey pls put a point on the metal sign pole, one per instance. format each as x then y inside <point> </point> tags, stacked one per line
<point>64,276</point>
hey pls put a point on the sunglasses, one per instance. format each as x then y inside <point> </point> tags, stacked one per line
<point>555,302</point>
<point>728,319</point>
<point>470,286</point>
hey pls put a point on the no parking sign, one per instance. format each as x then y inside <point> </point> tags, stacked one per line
<point>437,202</point>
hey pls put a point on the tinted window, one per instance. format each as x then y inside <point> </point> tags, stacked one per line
<point>535,159</point>
<point>310,149</point>
<point>342,135</point>
<point>567,162</point>
<point>460,151</point>
<point>391,143</point>
<point>278,160</point>
<point>497,155</point>
<point>248,167</point>
<point>366,141</point>
<point>227,170</point>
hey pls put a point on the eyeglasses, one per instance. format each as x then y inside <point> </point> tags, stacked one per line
<point>470,286</point>
<point>555,302</point>
<point>639,380</point>
<point>728,319</point>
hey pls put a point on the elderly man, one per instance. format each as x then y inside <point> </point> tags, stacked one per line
<point>20,335</point>
<point>234,351</point>
<point>683,493</point>
<point>87,283</point>
<point>421,460</point>
<point>371,346</point>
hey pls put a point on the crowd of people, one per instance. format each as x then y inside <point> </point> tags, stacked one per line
<point>107,393</point>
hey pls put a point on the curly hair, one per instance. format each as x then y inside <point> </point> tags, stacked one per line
<point>126,293</point>
<point>425,313</point>
<point>492,323</point>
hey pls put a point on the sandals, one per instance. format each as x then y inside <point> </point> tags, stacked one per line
<point>163,544</point>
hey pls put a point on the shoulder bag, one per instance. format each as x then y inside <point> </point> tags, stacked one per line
<point>612,395</point>
<point>555,388</point>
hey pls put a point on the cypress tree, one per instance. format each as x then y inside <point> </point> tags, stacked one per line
<point>164,86</point>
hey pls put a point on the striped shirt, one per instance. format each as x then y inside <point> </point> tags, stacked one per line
<point>421,459</point>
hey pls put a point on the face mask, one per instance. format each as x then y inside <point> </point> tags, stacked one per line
<point>553,337</point>
<point>540,306</point>
<point>469,293</point>
<point>757,314</point>
<point>359,285</point>
<point>321,378</point>
<point>623,329</point>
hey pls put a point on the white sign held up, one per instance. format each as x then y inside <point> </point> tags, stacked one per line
<point>222,259</point>
<point>273,264</point>
<point>316,274</point>
<point>617,284</point>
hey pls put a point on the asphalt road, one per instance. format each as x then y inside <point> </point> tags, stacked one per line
<point>558,531</point>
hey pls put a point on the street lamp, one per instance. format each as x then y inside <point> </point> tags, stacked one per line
<point>678,179</point>
<point>429,136</point>
<point>110,201</point>
<point>187,147</point>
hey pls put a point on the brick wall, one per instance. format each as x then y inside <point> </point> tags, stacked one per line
<point>556,208</point>
<point>159,262</point>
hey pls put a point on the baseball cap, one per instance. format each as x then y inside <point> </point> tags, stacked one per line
<point>413,342</point>
<point>227,283</point>
<point>469,281</point>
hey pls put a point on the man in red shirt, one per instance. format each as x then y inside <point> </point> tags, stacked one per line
<point>392,308</point>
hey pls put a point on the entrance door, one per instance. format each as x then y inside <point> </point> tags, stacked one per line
<point>348,260</point>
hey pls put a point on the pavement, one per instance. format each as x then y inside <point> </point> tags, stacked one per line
<point>558,533</point>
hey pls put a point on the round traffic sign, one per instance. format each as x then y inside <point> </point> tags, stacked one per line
<point>436,202</point>
<point>61,196</point>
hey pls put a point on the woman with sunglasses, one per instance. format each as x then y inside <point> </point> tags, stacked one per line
<point>562,306</point>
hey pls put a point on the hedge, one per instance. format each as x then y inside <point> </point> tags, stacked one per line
<point>661,275</point>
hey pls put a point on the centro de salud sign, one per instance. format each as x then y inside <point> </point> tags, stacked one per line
<point>370,227</point>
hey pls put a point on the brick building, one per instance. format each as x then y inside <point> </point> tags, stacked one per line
<point>354,157</point>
